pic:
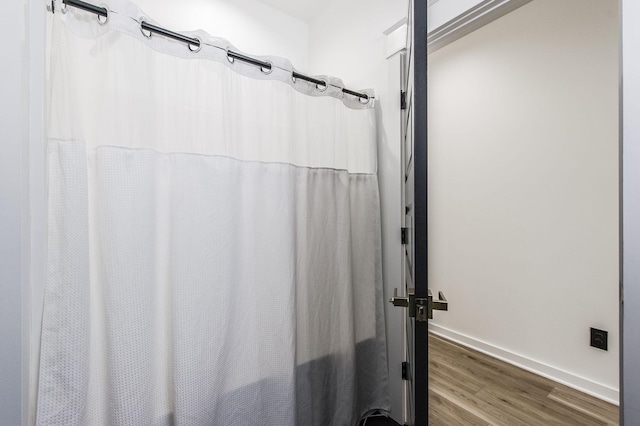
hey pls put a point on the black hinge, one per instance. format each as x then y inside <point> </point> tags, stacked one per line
<point>405,371</point>
<point>403,99</point>
<point>404,235</point>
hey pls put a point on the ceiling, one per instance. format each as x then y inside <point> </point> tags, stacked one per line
<point>303,10</point>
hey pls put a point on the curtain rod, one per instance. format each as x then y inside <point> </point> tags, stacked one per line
<point>191,41</point>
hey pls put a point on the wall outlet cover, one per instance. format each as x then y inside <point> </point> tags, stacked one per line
<point>599,338</point>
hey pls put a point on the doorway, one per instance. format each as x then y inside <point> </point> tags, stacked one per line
<point>523,191</point>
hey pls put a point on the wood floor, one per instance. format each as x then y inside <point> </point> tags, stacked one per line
<point>470,388</point>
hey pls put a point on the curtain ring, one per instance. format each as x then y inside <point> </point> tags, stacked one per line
<point>230,58</point>
<point>364,100</point>
<point>198,46</point>
<point>322,87</point>
<point>142,20</point>
<point>63,8</point>
<point>106,18</point>
<point>267,70</point>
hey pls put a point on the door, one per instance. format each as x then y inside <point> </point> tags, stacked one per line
<point>415,190</point>
<point>416,298</point>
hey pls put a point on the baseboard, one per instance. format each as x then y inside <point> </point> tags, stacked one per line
<point>568,379</point>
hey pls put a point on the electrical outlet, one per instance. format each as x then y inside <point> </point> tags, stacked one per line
<point>599,339</point>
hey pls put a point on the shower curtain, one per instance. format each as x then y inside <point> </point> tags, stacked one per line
<point>213,237</point>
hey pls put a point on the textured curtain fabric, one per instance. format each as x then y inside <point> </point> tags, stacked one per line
<point>214,241</point>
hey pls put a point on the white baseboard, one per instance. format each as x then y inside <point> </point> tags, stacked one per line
<point>587,386</point>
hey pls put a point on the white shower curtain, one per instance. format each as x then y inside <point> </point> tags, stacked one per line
<point>214,239</point>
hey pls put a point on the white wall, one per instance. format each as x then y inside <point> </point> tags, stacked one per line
<point>523,187</point>
<point>250,25</point>
<point>12,38</point>
<point>350,44</point>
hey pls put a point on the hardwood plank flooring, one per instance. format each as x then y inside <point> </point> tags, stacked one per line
<point>470,388</point>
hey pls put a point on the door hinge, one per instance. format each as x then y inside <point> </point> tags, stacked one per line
<point>404,235</point>
<point>405,371</point>
<point>403,99</point>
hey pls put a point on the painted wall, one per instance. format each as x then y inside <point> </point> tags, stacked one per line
<point>523,181</point>
<point>631,209</point>
<point>12,90</point>
<point>352,45</point>
<point>250,25</point>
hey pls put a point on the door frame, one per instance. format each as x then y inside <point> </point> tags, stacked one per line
<point>629,212</point>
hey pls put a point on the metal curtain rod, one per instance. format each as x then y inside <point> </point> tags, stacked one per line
<point>192,41</point>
